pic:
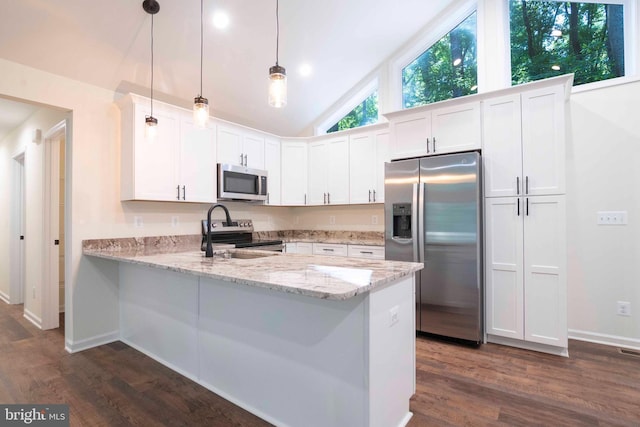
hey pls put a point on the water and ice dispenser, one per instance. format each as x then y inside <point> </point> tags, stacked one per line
<point>402,220</point>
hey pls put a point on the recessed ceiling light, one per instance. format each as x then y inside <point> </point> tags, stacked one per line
<point>220,20</point>
<point>305,70</point>
<point>556,33</point>
<point>555,67</point>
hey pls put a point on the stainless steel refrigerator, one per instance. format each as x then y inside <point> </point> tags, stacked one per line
<point>433,215</point>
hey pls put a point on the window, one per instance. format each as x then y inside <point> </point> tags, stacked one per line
<point>549,38</point>
<point>365,113</point>
<point>448,69</point>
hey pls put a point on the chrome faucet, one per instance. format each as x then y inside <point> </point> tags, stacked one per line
<point>209,251</point>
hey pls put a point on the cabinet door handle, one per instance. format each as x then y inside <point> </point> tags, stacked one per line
<point>517,185</point>
<point>178,188</point>
<point>245,160</point>
<point>518,206</point>
<point>369,196</point>
<point>328,198</point>
<point>374,195</point>
<point>366,252</point>
<point>434,144</point>
<point>305,198</point>
<point>241,160</point>
<point>427,145</point>
<point>184,192</point>
<point>324,198</point>
<point>327,250</point>
<point>527,206</point>
<point>267,197</point>
<point>526,184</point>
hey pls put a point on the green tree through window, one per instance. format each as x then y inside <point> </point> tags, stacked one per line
<point>365,113</point>
<point>549,38</point>
<point>448,69</point>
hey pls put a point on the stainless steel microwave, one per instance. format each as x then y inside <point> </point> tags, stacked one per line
<point>241,183</point>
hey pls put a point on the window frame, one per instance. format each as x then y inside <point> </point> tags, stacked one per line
<point>360,95</point>
<point>423,42</point>
<point>631,23</point>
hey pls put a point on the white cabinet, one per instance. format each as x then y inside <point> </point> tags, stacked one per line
<point>178,164</point>
<point>524,150</point>
<point>239,146</point>
<point>332,249</point>
<point>328,180</point>
<point>436,130</point>
<point>526,296</point>
<point>367,153</point>
<point>304,248</point>
<point>272,164</point>
<point>293,172</point>
<point>365,251</point>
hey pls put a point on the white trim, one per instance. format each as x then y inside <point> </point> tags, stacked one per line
<point>4,297</point>
<point>17,269</point>
<point>527,345</point>
<point>363,93</point>
<point>51,176</point>
<point>443,24</point>
<point>605,339</point>
<point>37,322</point>
<point>87,343</point>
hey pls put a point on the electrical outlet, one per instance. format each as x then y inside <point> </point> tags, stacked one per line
<point>175,221</point>
<point>612,218</point>
<point>137,221</point>
<point>624,308</point>
<point>374,219</point>
<point>393,315</point>
<point>332,219</point>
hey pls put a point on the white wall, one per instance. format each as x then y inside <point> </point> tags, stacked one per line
<point>603,175</point>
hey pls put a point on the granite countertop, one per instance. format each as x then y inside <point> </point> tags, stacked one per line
<point>325,277</point>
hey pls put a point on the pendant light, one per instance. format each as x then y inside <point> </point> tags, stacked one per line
<point>151,7</point>
<point>200,103</point>
<point>277,74</point>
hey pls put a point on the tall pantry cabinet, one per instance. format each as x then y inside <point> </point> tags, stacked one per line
<point>525,217</point>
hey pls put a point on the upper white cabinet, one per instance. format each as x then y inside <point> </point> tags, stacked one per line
<point>241,147</point>
<point>328,180</point>
<point>177,164</point>
<point>272,163</point>
<point>368,151</point>
<point>435,130</point>
<point>524,150</point>
<point>293,172</point>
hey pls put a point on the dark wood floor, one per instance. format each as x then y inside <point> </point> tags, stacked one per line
<point>115,385</point>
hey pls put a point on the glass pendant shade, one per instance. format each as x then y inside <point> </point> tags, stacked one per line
<point>151,127</point>
<point>201,111</point>
<point>277,86</point>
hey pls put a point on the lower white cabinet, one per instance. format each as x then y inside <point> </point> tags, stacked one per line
<point>305,248</point>
<point>526,285</point>
<point>333,249</point>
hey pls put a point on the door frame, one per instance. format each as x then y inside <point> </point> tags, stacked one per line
<point>50,252</point>
<point>17,227</point>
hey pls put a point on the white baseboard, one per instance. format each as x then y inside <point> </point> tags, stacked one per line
<point>526,345</point>
<point>612,340</point>
<point>87,343</point>
<point>33,318</point>
<point>4,297</point>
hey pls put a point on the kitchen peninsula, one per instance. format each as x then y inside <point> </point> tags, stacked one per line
<point>294,339</point>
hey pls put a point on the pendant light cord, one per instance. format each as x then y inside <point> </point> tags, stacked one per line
<point>277,31</point>
<point>151,65</point>
<point>201,41</point>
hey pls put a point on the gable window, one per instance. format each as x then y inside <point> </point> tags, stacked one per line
<point>550,38</point>
<point>448,69</point>
<point>365,113</point>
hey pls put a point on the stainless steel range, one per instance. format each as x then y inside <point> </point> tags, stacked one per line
<point>240,234</point>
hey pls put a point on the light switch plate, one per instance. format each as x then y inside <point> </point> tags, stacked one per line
<point>612,218</point>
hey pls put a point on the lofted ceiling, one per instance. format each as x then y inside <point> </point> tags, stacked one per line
<point>108,44</point>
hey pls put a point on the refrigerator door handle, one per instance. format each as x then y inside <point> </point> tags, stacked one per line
<point>421,209</point>
<point>414,221</point>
